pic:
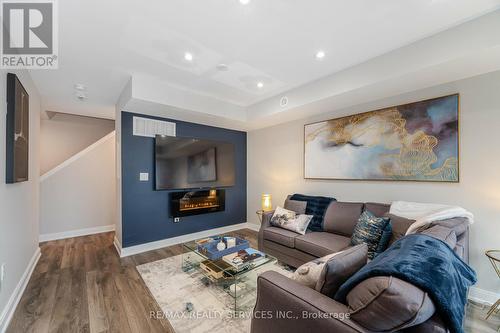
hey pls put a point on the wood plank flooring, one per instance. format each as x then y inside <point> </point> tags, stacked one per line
<point>82,285</point>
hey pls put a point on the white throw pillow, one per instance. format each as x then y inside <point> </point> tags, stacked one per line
<point>287,219</point>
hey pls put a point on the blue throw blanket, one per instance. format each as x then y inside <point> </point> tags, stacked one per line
<point>316,206</point>
<point>429,264</point>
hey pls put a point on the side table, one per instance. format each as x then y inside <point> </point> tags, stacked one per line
<point>494,257</point>
<point>259,214</point>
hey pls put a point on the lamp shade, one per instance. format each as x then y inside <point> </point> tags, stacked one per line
<point>266,202</point>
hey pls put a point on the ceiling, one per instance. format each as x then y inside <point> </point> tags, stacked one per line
<point>102,44</point>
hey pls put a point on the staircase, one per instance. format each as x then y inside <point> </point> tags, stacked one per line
<point>77,197</point>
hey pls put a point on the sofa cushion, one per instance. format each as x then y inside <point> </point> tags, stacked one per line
<point>280,236</point>
<point>378,209</point>
<point>386,303</point>
<point>298,207</point>
<point>340,267</point>
<point>289,256</point>
<point>433,325</point>
<point>341,217</point>
<point>458,224</point>
<point>445,234</point>
<point>320,244</point>
<point>399,226</point>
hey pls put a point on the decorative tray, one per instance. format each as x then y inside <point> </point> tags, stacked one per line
<point>209,249</point>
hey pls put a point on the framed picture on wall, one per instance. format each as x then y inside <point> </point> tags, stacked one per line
<point>17,131</point>
<point>414,142</point>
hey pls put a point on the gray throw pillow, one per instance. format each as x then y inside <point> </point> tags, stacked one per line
<point>341,267</point>
<point>309,273</point>
<point>298,207</point>
<point>399,226</point>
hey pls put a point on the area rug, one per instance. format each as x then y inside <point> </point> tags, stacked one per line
<point>212,307</point>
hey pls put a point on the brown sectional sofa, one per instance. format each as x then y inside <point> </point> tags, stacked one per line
<point>279,293</point>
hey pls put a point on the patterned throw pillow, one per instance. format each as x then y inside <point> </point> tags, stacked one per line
<point>287,219</point>
<point>281,216</point>
<point>369,230</point>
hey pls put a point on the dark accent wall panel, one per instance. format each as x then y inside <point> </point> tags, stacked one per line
<point>145,212</point>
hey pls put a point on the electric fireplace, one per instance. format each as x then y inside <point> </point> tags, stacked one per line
<point>196,202</point>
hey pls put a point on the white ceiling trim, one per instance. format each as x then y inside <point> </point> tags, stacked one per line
<point>470,49</point>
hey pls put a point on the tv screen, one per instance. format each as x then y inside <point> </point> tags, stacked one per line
<point>184,163</point>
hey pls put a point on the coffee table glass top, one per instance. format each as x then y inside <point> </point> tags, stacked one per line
<point>221,265</point>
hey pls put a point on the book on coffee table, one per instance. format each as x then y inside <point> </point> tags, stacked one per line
<point>244,258</point>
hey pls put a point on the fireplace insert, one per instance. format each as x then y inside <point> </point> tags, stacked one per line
<point>197,202</point>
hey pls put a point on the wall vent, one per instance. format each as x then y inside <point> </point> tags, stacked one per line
<point>151,127</point>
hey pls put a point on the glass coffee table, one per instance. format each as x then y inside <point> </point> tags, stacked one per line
<point>240,284</point>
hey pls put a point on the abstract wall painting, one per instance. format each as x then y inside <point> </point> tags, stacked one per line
<point>415,142</point>
<point>17,131</point>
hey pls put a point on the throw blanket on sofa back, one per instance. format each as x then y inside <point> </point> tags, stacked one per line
<point>316,206</point>
<point>429,264</point>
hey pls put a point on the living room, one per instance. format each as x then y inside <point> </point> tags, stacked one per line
<point>250,166</point>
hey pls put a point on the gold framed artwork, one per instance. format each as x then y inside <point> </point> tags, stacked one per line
<point>412,142</point>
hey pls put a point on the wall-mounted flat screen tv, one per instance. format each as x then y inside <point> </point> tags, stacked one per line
<point>185,163</point>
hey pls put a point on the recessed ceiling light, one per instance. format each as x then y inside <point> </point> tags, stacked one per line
<point>188,56</point>
<point>81,95</point>
<point>244,2</point>
<point>320,54</point>
<point>260,85</point>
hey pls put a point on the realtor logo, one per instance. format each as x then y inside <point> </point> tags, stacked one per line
<point>29,34</point>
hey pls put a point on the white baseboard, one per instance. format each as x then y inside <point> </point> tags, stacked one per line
<point>253,226</point>
<point>76,233</point>
<point>118,246</point>
<point>483,296</point>
<point>131,250</point>
<point>14,299</point>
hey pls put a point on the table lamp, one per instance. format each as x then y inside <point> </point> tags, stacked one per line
<point>266,202</point>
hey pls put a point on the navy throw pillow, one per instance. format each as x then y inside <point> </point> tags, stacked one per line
<point>384,240</point>
<point>369,230</point>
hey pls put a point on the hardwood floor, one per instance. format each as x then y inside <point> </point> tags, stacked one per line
<point>82,285</point>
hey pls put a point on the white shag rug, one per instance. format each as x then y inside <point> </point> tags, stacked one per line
<point>213,307</point>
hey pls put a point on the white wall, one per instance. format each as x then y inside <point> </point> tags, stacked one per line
<point>275,165</point>
<point>18,203</point>
<point>80,197</point>
<point>65,135</point>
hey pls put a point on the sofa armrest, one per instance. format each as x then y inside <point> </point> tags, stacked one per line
<point>284,305</point>
<point>266,222</point>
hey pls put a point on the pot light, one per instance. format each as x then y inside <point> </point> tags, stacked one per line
<point>244,2</point>
<point>188,56</point>
<point>320,55</point>
<point>260,85</point>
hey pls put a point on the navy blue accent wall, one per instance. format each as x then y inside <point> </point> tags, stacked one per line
<point>145,212</point>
